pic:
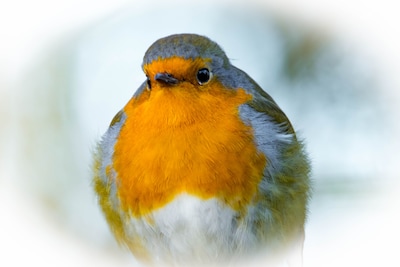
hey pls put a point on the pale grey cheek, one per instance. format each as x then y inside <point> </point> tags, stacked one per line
<point>106,150</point>
<point>269,136</point>
<point>106,147</point>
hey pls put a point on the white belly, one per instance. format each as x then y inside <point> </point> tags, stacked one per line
<point>190,229</point>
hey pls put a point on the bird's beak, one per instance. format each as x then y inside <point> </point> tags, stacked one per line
<point>166,78</point>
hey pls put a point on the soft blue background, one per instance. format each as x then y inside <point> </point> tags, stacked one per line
<point>334,93</point>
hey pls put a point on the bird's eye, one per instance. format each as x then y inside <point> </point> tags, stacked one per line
<point>203,76</point>
<point>148,83</point>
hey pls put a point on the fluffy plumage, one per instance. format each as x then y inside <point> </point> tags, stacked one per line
<point>204,173</point>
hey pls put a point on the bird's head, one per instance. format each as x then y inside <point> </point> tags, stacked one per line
<point>184,61</point>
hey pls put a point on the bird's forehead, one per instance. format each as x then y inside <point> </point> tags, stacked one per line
<point>186,46</point>
<point>178,66</point>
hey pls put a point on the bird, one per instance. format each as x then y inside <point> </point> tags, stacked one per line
<point>201,166</point>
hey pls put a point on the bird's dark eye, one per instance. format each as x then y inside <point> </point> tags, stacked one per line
<point>203,76</point>
<point>148,83</point>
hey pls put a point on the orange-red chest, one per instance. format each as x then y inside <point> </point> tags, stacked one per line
<point>177,140</point>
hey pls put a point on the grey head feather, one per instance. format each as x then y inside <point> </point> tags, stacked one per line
<point>188,46</point>
<point>192,46</point>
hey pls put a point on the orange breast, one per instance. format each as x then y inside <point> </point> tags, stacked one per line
<point>178,140</point>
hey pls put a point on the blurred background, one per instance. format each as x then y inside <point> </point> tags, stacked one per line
<point>67,67</point>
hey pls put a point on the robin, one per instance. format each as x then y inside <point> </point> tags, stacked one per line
<point>201,166</point>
